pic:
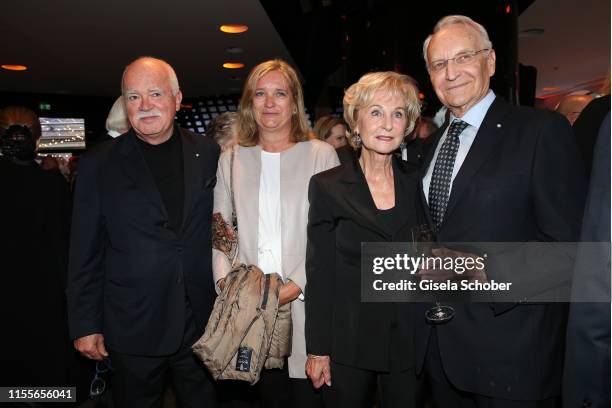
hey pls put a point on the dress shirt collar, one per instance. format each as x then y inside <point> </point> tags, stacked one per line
<point>475,115</point>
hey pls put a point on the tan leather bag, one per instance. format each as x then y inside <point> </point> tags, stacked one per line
<point>246,331</point>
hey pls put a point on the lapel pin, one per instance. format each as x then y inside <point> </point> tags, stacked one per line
<point>499,125</point>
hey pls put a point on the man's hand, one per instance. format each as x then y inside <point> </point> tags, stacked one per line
<point>318,370</point>
<point>472,274</point>
<point>91,346</point>
<point>288,292</point>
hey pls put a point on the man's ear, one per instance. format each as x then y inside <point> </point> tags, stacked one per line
<point>491,62</point>
<point>178,98</point>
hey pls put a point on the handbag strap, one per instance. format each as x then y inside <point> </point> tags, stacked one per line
<point>234,217</point>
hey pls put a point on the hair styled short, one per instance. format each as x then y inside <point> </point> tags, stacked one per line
<point>18,115</point>
<point>466,22</point>
<point>117,119</point>
<point>324,125</point>
<point>248,133</point>
<point>360,95</point>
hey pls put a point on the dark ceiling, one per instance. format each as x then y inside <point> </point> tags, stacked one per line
<point>76,47</point>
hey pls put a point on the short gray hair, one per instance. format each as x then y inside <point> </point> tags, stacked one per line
<point>458,19</point>
<point>174,84</point>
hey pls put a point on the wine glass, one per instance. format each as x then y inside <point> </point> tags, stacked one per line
<point>423,241</point>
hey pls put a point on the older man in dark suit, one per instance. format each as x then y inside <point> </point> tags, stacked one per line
<point>496,173</point>
<point>140,280</point>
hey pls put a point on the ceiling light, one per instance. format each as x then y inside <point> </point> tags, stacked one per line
<point>234,28</point>
<point>14,67</point>
<point>233,65</point>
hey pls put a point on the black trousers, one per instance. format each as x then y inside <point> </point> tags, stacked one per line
<point>444,394</point>
<point>140,381</point>
<point>357,388</point>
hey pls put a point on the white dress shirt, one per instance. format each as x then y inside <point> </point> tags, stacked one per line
<point>473,117</point>
<point>269,251</point>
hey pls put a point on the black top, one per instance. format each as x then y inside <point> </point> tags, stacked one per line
<point>391,217</point>
<point>165,161</point>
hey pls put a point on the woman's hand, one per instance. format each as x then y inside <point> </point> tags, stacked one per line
<point>288,292</point>
<point>318,370</point>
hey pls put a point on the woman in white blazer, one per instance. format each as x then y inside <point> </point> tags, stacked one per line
<point>271,168</point>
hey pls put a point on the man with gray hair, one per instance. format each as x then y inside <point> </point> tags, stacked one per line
<point>495,173</point>
<point>140,285</point>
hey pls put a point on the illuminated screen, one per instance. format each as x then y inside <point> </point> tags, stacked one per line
<point>62,134</point>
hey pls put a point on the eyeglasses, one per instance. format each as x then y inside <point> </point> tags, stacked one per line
<point>98,385</point>
<point>459,59</point>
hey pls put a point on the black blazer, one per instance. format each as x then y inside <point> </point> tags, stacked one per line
<point>342,215</point>
<point>517,184</point>
<point>128,272</point>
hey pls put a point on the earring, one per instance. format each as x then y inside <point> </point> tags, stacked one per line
<point>357,139</point>
<point>402,145</point>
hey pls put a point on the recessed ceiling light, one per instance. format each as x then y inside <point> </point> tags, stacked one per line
<point>233,65</point>
<point>234,28</point>
<point>14,67</point>
<point>234,50</point>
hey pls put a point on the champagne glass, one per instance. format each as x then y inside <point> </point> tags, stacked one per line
<point>423,240</point>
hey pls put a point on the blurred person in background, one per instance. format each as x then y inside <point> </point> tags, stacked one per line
<point>50,163</point>
<point>117,122</point>
<point>35,207</point>
<point>223,130</point>
<point>586,127</point>
<point>572,105</point>
<point>419,141</point>
<point>331,130</point>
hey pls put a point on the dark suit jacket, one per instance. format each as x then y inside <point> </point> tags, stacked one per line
<point>586,128</point>
<point>587,356</point>
<point>129,274</point>
<point>515,185</point>
<point>342,215</point>
<point>346,153</point>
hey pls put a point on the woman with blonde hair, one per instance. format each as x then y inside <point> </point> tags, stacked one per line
<point>331,130</point>
<point>267,173</point>
<point>355,345</point>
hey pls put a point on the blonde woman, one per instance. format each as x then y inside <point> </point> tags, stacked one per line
<point>272,165</point>
<point>354,346</point>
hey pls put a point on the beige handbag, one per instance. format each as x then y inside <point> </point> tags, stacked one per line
<point>247,330</point>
